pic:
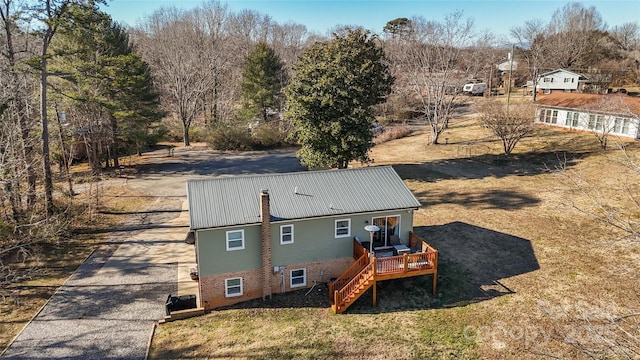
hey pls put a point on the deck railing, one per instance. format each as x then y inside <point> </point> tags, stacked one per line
<point>354,286</point>
<point>405,263</point>
<point>359,250</point>
<point>362,260</point>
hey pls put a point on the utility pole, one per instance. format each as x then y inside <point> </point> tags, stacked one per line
<point>513,48</point>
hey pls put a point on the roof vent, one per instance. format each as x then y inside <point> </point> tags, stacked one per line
<point>295,190</point>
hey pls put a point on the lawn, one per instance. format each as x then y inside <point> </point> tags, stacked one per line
<point>522,272</point>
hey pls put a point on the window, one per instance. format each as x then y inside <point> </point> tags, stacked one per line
<point>286,234</point>
<point>599,122</point>
<point>617,125</point>
<point>568,80</point>
<point>548,79</point>
<point>298,278</point>
<point>235,240</point>
<point>625,126</point>
<point>554,117</point>
<point>233,287</point>
<point>343,228</point>
<point>592,122</point>
<point>572,119</point>
<point>621,125</point>
<point>550,116</point>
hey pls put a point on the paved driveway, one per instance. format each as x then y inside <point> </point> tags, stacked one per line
<point>106,310</point>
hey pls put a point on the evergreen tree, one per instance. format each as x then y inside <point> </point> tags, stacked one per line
<point>263,78</point>
<point>331,98</point>
<point>109,83</point>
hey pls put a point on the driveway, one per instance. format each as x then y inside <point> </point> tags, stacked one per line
<point>107,309</point>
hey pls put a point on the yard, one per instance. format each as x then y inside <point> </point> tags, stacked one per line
<point>522,273</point>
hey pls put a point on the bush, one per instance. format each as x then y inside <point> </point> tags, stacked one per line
<point>391,133</point>
<point>269,136</point>
<point>230,137</point>
<point>239,137</point>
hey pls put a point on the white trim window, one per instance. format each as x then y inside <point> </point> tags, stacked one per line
<point>550,116</point>
<point>621,125</point>
<point>343,228</point>
<point>298,278</point>
<point>572,119</point>
<point>591,125</point>
<point>233,287</point>
<point>235,240</point>
<point>286,234</point>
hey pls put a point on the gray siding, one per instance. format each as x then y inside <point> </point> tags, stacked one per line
<point>314,240</point>
<point>212,254</point>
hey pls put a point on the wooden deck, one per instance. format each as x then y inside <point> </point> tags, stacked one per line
<point>369,269</point>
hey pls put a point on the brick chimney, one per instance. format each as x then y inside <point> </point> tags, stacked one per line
<point>265,240</point>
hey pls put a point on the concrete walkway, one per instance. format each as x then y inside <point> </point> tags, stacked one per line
<point>106,310</point>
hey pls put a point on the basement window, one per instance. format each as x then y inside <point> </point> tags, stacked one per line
<point>233,287</point>
<point>235,240</point>
<point>298,278</point>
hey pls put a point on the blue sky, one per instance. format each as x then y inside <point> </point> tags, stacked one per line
<point>319,16</point>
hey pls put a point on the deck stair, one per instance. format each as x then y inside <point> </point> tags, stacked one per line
<point>368,269</point>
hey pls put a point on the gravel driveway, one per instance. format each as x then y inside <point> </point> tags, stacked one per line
<point>106,310</point>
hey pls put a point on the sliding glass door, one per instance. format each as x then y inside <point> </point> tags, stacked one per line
<point>389,226</point>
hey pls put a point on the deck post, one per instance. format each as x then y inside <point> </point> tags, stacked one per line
<point>375,295</point>
<point>435,278</point>
<point>406,261</point>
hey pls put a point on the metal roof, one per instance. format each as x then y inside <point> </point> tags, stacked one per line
<point>228,201</point>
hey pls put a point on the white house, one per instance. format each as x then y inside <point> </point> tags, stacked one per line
<point>561,79</point>
<point>607,114</point>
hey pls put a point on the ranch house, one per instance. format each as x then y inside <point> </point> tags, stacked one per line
<point>259,235</point>
<point>607,114</point>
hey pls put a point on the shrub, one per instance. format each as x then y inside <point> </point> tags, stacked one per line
<point>270,135</point>
<point>231,137</point>
<point>391,133</point>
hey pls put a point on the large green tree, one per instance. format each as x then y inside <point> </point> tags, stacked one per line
<point>331,97</point>
<point>262,79</point>
<point>109,85</point>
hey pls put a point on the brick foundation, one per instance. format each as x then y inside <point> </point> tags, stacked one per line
<point>212,286</point>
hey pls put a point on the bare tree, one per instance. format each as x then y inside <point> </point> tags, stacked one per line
<point>20,85</point>
<point>627,36</point>
<point>433,61</point>
<point>531,41</point>
<point>608,115</point>
<point>173,47</point>
<point>573,34</point>
<point>510,124</point>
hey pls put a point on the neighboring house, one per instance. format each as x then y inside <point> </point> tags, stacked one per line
<point>259,235</point>
<point>607,114</point>
<point>561,80</point>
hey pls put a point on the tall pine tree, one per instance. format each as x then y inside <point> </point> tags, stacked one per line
<point>109,84</point>
<point>262,79</point>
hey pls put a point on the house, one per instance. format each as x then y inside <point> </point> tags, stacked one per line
<point>563,80</point>
<point>259,235</point>
<point>615,114</point>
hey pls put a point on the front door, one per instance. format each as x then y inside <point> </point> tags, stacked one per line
<point>389,226</point>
